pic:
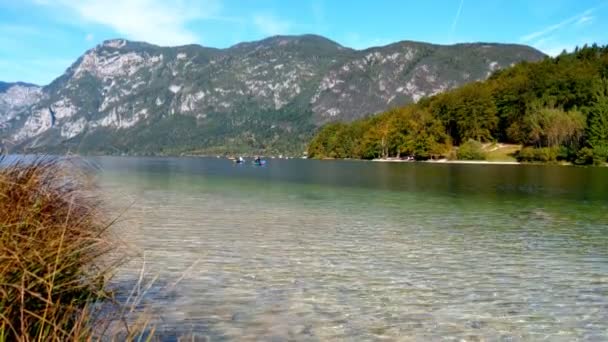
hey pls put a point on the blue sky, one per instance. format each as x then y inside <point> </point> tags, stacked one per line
<point>39,39</point>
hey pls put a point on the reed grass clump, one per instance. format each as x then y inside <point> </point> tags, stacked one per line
<point>52,243</point>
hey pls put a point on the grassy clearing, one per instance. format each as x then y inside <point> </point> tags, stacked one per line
<point>501,152</point>
<point>53,238</point>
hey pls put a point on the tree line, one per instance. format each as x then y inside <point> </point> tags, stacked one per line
<point>556,108</point>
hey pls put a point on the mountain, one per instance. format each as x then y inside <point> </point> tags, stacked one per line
<point>4,86</point>
<point>269,95</point>
<point>16,98</point>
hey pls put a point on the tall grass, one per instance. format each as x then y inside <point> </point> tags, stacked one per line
<point>53,248</point>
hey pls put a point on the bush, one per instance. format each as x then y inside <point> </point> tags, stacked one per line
<point>542,154</point>
<point>546,154</point>
<point>584,156</point>
<point>471,150</point>
<point>52,236</point>
<point>566,153</point>
<point>526,154</point>
<point>600,154</point>
<point>592,156</point>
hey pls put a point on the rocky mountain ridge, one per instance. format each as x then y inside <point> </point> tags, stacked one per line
<point>268,95</point>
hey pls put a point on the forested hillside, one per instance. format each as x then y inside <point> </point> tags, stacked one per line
<point>556,108</point>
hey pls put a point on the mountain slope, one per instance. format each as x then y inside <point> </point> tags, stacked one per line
<point>268,95</point>
<point>15,98</point>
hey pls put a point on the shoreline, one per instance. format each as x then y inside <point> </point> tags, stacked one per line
<point>478,162</point>
<point>445,161</point>
<point>503,162</point>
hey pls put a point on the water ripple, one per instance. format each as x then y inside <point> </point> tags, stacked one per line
<point>354,264</point>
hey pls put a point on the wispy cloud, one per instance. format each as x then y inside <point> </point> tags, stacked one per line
<point>455,22</point>
<point>554,45</point>
<point>585,20</point>
<point>564,35</point>
<point>157,21</point>
<point>552,28</point>
<point>89,37</point>
<point>269,24</point>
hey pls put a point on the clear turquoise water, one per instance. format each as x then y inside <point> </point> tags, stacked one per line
<point>339,250</point>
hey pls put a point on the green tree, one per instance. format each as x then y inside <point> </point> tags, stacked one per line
<point>324,144</point>
<point>597,133</point>
<point>597,124</point>
<point>475,112</point>
<point>553,127</point>
<point>425,135</point>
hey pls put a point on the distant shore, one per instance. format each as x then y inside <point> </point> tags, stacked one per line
<point>446,161</point>
<point>489,162</point>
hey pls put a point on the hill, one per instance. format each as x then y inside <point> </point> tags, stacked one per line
<point>264,96</point>
<point>556,108</point>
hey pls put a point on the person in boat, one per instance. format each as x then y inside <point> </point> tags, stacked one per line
<point>259,161</point>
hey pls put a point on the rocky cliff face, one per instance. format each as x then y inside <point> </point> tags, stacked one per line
<point>16,98</point>
<point>270,95</point>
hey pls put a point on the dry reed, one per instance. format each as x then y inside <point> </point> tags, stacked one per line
<point>53,239</point>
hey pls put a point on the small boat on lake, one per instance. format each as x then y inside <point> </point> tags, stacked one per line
<point>259,161</point>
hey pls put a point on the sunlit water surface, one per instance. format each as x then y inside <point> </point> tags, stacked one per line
<point>337,250</point>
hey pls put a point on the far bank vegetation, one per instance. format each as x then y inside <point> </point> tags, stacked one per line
<point>555,109</point>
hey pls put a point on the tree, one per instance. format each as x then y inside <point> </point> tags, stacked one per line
<point>324,144</point>
<point>426,137</point>
<point>475,112</point>
<point>597,122</point>
<point>553,127</point>
<point>597,131</point>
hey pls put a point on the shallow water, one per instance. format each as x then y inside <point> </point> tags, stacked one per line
<point>337,250</point>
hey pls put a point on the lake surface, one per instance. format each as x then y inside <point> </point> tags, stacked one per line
<point>341,250</point>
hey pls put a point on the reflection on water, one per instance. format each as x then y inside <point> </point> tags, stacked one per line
<point>311,250</point>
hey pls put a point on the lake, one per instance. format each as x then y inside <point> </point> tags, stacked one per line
<point>349,250</point>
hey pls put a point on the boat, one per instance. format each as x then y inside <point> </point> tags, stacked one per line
<point>259,161</point>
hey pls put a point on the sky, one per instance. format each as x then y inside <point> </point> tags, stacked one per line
<point>39,39</point>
